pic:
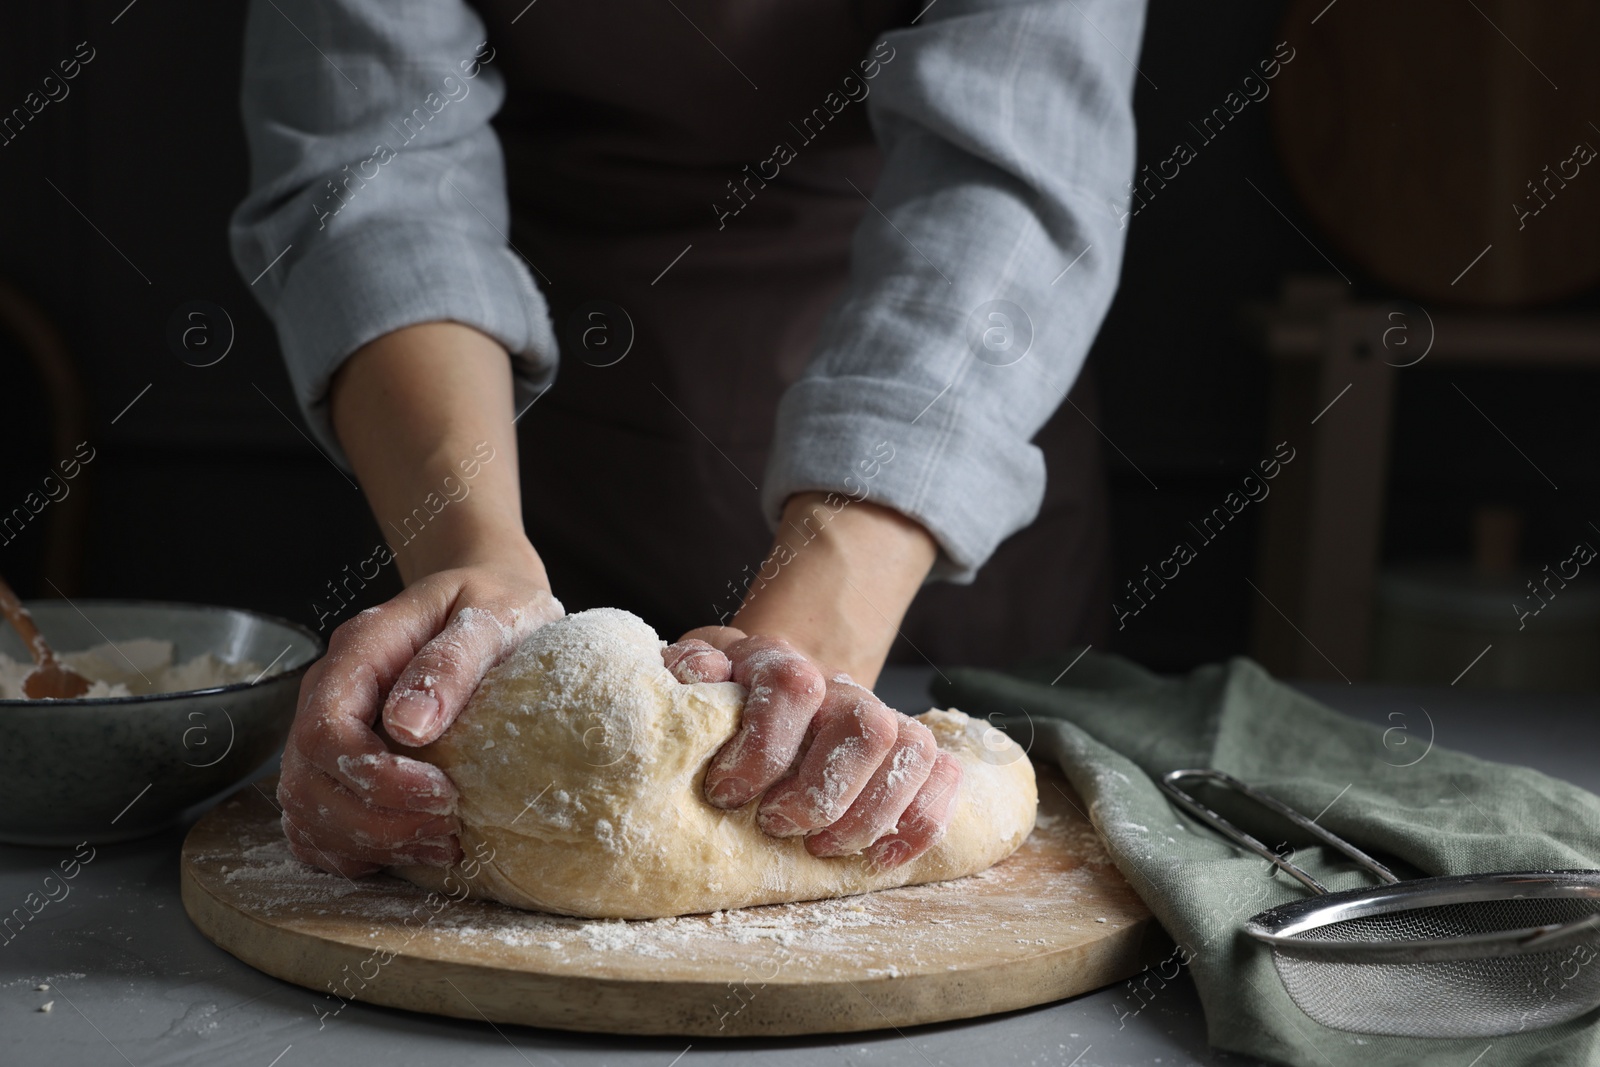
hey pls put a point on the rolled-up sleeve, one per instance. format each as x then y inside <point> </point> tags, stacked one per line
<point>377,188</point>
<point>981,271</point>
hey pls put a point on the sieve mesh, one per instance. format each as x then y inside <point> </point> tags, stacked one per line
<point>1456,920</point>
<point>1480,997</point>
<point>1456,968</point>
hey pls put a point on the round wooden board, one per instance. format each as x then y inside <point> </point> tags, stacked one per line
<point>1053,920</point>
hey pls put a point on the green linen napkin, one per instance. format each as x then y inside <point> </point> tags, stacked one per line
<point>1111,726</point>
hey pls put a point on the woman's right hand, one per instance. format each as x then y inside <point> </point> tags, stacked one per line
<point>352,806</point>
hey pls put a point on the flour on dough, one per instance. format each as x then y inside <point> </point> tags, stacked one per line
<point>580,762</point>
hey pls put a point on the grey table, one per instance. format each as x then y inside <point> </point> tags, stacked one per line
<point>134,983</point>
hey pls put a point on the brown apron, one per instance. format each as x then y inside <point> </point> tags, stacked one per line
<point>623,125</point>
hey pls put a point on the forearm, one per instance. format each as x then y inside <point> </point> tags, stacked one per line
<point>918,358</point>
<point>418,411</point>
<point>838,581</point>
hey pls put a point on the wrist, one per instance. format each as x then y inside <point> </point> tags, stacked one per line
<point>456,542</point>
<point>838,581</point>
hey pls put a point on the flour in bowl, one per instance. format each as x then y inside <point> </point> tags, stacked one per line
<point>136,667</point>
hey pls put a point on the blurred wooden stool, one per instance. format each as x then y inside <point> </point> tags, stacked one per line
<point>1333,371</point>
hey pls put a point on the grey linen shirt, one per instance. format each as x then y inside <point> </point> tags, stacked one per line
<point>977,280</point>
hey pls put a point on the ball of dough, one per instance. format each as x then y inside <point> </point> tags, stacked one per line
<point>580,762</point>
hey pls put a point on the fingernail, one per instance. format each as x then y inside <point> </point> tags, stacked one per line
<point>437,852</point>
<point>890,854</point>
<point>413,712</point>
<point>432,794</point>
<point>823,846</point>
<point>435,798</point>
<point>730,793</point>
<point>423,857</point>
<point>438,832</point>
<point>775,824</point>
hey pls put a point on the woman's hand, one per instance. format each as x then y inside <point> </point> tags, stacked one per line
<point>835,763</point>
<point>425,415</point>
<point>865,777</point>
<point>351,805</point>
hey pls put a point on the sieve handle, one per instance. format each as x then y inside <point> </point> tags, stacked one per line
<point>1169,783</point>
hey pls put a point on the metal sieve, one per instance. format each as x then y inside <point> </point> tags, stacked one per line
<point>1468,955</point>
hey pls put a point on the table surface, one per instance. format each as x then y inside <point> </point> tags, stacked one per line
<point>134,983</point>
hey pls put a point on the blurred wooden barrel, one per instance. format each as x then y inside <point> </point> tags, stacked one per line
<point>1420,133</point>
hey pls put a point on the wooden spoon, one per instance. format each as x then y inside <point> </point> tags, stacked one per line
<point>50,679</point>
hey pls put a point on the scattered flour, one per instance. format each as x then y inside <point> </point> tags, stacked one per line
<point>887,934</point>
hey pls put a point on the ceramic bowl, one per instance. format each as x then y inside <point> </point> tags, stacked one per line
<point>114,768</point>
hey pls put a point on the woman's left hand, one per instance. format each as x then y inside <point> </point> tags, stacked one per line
<point>836,764</point>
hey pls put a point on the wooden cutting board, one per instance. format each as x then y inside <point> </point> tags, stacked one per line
<point>1053,920</point>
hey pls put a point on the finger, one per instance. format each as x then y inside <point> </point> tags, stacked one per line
<point>342,746</point>
<point>925,820</point>
<point>784,691</point>
<point>692,660</point>
<point>316,857</point>
<point>304,847</point>
<point>854,732</point>
<point>333,818</point>
<point>433,688</point>
<point>887,795</point>
<point>718,637</point>
<point>339,701</point>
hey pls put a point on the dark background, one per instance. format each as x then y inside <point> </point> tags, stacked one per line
<point>207,490</point>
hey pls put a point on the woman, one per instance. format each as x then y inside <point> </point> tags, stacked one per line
<point>819,267</point>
